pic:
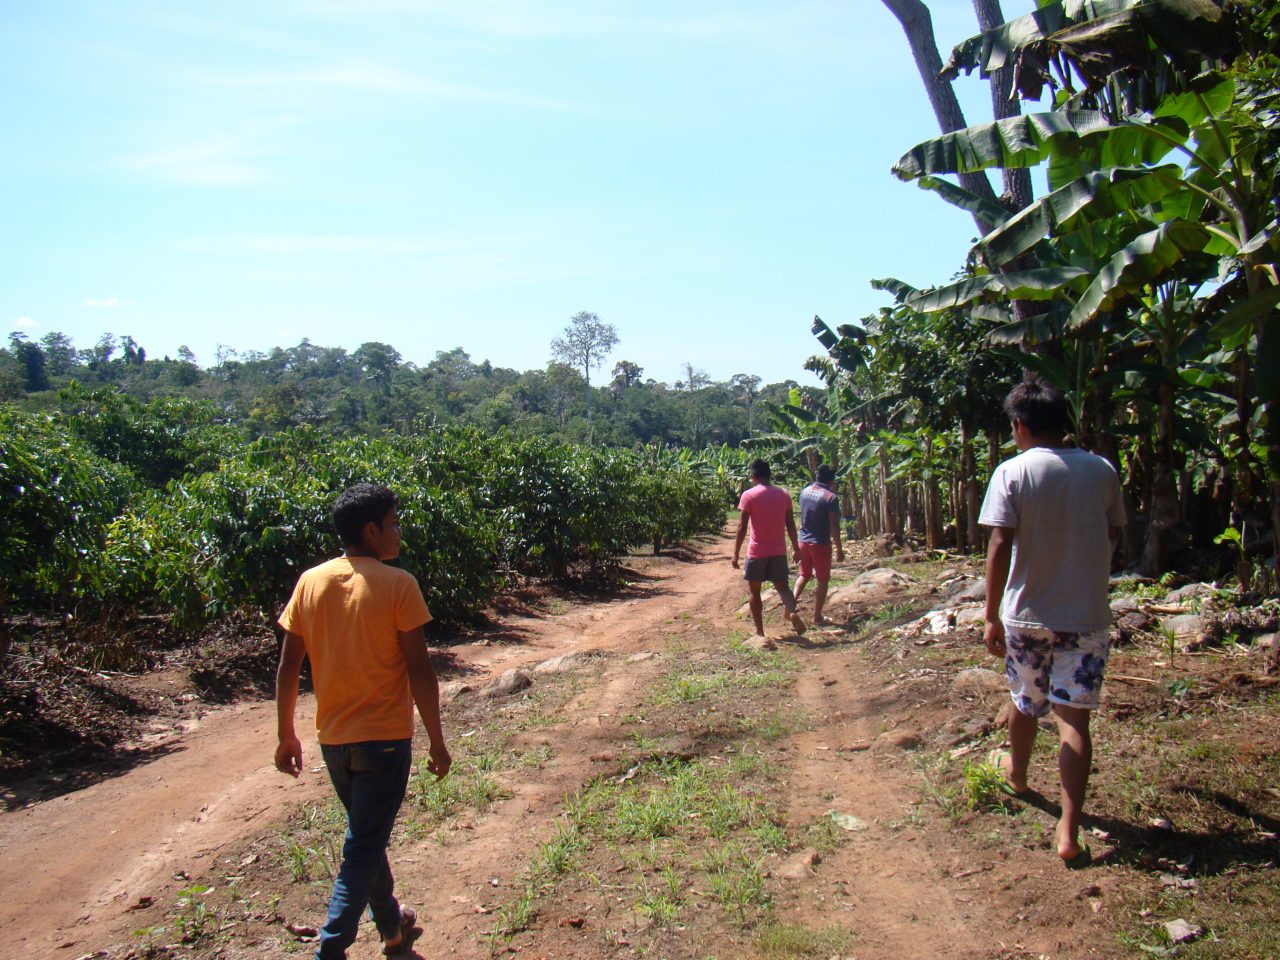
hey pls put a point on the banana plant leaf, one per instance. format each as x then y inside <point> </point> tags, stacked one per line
<point>1076,142</point>
<point>1097,196</point>
<point>1021,141</point>
<point>1232,322</point>
<point>1040,283</point>
<point>1098,36</point>
<point>1137,266</point>
<point>985,210</point>
<point>844,348</point>
<point>1040,328</point>
<point>1051,368</point>
<point>1261,239</point>
<point>901,291</point>
<point>993,312</point>
<point>997,48</point>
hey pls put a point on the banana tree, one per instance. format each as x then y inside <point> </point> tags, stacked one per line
<point>1127,227</point>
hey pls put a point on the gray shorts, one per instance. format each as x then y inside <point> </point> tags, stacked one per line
<point>772,569</point>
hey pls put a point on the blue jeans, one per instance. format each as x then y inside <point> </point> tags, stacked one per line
<point>370,779</point>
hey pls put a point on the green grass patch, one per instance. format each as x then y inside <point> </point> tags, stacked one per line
<point>690,827</point>
<point>790,941</point>
<point>985,788</point>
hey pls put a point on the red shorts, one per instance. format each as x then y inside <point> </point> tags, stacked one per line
<point>815,561</point>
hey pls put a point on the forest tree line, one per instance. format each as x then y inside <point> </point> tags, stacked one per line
<point>373,389</point>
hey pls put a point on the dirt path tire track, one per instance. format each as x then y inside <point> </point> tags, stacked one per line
<point>72,867</point>
<point>71,863</point>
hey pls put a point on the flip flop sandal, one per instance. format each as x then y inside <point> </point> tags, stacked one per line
<point>1081,860</point>
<point>408,922</point>
<point>995,759</point>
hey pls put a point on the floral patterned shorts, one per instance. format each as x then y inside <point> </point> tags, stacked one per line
<point>1046,667</point>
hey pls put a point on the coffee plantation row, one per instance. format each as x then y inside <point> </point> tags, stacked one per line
<point>112,507</point>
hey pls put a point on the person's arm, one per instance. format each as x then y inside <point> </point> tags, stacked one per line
<point>742,535</point>
<point>795,541</point>
<point>288,746</point>
<point>426,695</point>
<point>835,535</point>
<point>999,556</point>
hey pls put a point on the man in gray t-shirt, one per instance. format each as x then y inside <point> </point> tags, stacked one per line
<point>1055,512</point>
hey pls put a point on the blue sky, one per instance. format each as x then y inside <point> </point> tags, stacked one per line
<point>704,176</point>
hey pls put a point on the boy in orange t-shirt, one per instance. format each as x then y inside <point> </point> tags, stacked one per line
<point>360,624</point>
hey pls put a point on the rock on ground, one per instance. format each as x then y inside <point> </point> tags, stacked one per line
<point>1184,626</point>
<point>799,866</point>
<point>968,590</point>
<point>937,622</point>
<point>1135,621</point>
<point>453,690</point>
<point>1273,654</point>
<point>567,661</point>
<point>870,585</point>
<point>1188,592</point>
<point>511,681</point>
<point>895,740</point>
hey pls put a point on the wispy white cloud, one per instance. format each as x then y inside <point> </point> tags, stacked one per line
<point>366,77</point>
<point>233,158</point>
<point>724,23</point>
<point>496,259</point>
<point>108,303</point>
<point>24,323</point>
<point>286,244</point>
<point>214,163</point>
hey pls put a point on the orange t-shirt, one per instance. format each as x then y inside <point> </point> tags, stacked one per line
<point>349,612</point>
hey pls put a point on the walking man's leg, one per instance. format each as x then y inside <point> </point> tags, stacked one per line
<point>789,604</point>
<point>370,780</point>
<point>806,570</point>
<point>819,601</point>
<point>1075,756</point>
<point>1022,737</point>
<point>757,606</point>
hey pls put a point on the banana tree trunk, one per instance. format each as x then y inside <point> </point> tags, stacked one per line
<point>887,519</point>
<point>1163,511</point>
<point>993,453</point>
<point>847,497</point>
<point>932,497</point>
<point>870,508</point>
<point>969,483</point>
<point>901,508</point>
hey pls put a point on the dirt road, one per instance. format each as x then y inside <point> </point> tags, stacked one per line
<point>81,873</point>
<point>72,867</point>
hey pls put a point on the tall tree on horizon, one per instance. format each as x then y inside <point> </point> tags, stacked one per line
<point>585,343</point>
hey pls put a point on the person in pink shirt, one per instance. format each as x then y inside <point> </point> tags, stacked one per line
<point>766,511</point>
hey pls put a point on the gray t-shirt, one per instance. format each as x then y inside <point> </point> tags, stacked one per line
<point>1061,504</point>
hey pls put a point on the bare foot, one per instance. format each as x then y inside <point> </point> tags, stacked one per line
<point>797,624</point>
<point>401,939</point>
